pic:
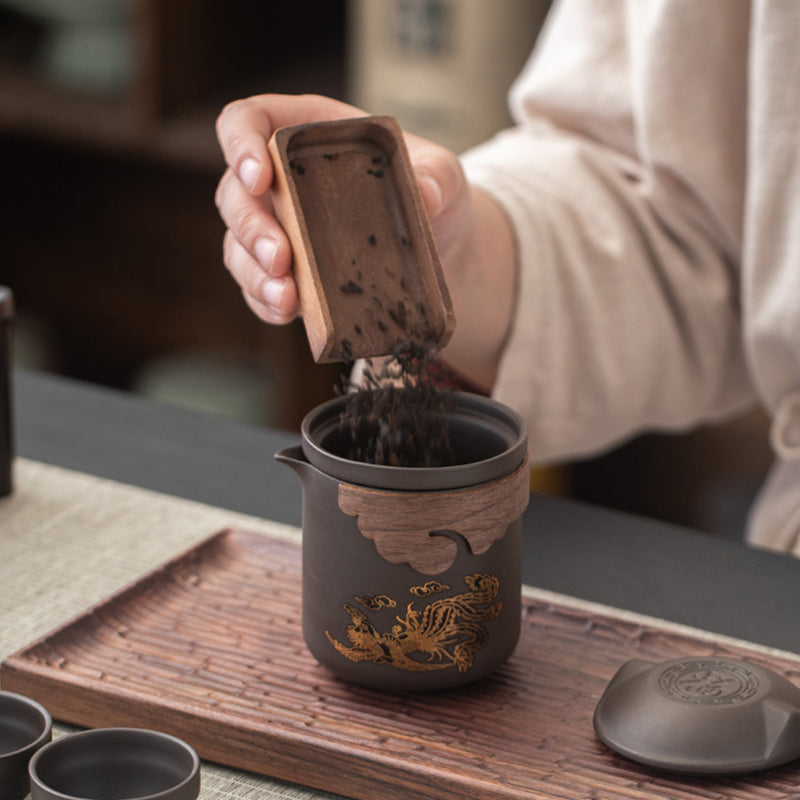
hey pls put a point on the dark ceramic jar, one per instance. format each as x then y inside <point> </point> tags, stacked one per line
<point>412,576</point>
<point>6,427</point>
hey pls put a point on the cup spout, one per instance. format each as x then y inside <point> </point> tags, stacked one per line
<point>293,457</point>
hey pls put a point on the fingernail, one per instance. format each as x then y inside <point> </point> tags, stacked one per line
<point>273,292</point>
<point>250,172</point>
<point>431,193</point>
<point>265,249</point>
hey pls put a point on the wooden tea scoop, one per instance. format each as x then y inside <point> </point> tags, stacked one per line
<point>367,271</point>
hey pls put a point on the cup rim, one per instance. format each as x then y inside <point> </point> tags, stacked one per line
<point>44,736</point>
<point>321,419</point>
<point>187,787</point>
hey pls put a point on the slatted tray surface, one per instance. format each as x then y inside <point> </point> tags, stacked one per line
<point>209,648</point>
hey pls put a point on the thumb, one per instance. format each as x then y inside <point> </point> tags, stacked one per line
<point>444,190</point>
<point>431,191</point>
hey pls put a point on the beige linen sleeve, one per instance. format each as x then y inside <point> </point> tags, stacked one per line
<point>627,316</point>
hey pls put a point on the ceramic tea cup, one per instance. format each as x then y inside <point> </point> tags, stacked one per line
<point>412,575</point>
<point>115,764</point>
<point>25,726</point>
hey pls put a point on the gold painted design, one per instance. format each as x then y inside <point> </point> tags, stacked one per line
<point>429,588</point>
<point>445,633</point>
<point>376,603</point>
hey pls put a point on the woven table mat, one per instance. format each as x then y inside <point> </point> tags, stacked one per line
<point>68,540</point>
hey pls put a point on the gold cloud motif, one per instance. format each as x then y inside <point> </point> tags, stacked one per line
<point>376,602</point>
<point>429,588</point>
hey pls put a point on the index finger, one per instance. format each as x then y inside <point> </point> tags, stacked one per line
<point>245,126</point>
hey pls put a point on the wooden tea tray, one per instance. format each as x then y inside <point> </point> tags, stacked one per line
<point>208,647</point>
<point>366,265</point>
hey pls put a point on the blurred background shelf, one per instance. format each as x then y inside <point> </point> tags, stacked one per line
<point>33,107</point>
<point>111,240</point>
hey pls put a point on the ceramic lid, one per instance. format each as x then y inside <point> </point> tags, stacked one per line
<point>701,715</point>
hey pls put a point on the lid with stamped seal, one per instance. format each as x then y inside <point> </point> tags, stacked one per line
<point>701,715</point>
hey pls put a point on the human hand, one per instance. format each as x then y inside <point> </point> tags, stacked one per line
<point>256,250</point>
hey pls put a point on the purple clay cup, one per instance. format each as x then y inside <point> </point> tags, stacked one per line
<point>25,726</point>
<point>116,764</point>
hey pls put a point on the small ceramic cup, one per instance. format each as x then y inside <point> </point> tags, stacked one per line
<point>116,764</point>
<point>25,726</point>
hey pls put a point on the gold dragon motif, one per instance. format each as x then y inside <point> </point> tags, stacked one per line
<point>446,633</point>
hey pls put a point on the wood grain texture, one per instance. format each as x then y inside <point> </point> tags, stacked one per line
<point>366,265</point>
<point>400,523</point>
<point>208,648</point>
